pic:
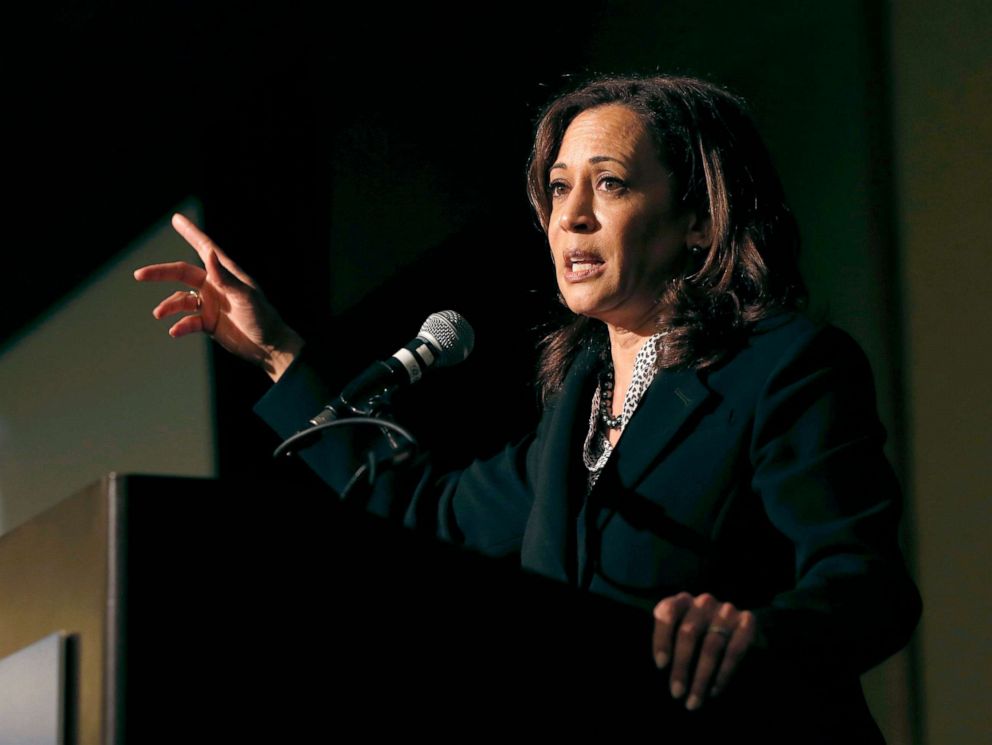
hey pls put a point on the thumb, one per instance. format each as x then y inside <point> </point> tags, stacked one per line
<point>221,275</point>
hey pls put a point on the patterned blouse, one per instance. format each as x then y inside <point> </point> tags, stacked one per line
<point>597,448</point>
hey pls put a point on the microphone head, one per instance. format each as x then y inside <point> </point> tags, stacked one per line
<point>451,334</point>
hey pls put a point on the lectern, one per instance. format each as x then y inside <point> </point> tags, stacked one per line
<point>201,610</point>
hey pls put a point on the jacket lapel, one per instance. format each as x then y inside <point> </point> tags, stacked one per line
<point>549,544</point>
<point>666,408</point>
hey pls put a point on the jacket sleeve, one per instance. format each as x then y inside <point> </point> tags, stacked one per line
<point>826,484</point>
<point>483,507</point>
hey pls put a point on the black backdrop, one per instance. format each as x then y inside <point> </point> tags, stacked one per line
<point>319,150</point>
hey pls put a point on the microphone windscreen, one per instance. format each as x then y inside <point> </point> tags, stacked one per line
<point>452,334</point>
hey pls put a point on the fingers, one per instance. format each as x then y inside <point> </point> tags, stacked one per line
<point>176,271</point>
<point>195,237</point>
<point>181,302</point>
<point>691,633</point>
<point>223,262</point>
<point>743,637</point>
<point>186,325</point>
<point>712,653</point>
<point>222,276</point>
<point>667,616</point>
<point>210,253</point>
<point>704,640</point>
<point>177,302</point>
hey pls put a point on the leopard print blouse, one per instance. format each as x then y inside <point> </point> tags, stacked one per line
<point>597,448</point>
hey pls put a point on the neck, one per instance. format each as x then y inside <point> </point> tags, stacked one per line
<point>624,346</point>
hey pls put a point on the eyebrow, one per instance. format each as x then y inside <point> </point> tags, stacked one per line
<point>593,160</point>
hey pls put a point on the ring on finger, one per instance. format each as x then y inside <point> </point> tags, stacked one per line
<point>196,294</point>
<point>725,633</point>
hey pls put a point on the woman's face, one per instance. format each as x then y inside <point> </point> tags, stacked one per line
<point>615,235</point>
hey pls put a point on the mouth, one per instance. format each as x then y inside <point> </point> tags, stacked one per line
<point>580,265</point>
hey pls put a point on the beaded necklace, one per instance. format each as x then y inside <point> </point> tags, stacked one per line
<point>606,399</point>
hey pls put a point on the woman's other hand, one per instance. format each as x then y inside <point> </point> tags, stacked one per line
<point>703,640</point>
<point>227,304</point>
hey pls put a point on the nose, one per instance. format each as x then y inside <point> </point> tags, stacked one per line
<point>576,215</point>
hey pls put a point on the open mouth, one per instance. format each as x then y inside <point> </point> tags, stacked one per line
<point>582,264</point>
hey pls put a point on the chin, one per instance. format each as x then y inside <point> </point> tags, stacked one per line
<point>581,304</point>
<point>622,317</point>
<point>582,309</point>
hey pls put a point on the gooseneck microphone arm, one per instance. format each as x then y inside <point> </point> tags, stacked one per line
<point>444,339</point>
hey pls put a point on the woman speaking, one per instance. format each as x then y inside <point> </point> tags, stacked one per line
<point>705,451</point>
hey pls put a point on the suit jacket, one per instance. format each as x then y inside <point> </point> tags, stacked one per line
<point>761,481</point>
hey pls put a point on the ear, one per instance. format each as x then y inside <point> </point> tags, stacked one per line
<point>699,231</point>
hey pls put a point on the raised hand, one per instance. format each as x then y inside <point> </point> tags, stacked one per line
<point>224,303</point>
<point>700,637</point>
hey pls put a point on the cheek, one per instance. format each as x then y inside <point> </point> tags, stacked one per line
<point>661,240</point>
<point>655,228</point>
<point>552,252</point>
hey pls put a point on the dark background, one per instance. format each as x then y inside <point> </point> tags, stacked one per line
<point>300,133</point>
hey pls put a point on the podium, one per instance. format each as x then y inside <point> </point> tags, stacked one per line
<point>201,610</point>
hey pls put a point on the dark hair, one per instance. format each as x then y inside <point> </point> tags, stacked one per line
<point>719,167</point>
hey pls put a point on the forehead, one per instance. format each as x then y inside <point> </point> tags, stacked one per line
<point>610,130</point>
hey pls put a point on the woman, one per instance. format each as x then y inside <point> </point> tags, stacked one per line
<point>704,451</point>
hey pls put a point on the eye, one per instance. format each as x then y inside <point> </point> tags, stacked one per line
<point>557,189</point>
<point>612,183</point>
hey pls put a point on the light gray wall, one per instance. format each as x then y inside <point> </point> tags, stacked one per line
<point>98,385</point>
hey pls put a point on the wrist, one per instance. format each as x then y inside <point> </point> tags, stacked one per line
<point>279,357</point>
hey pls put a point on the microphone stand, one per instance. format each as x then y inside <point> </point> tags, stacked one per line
<point>374,412</point>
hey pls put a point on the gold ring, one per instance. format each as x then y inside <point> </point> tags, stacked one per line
<point>199,300</point>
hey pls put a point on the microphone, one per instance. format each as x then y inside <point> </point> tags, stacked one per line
<point>445,339</point>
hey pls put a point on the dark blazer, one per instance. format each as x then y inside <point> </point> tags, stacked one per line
<point>761,481</point>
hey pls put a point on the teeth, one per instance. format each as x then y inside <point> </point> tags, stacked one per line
<point>581,266</point>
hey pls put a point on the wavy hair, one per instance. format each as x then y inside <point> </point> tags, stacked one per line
<point>719,168</point>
